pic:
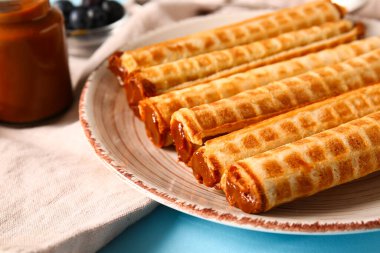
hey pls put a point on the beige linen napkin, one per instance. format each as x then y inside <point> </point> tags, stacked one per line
<point>55,195</point>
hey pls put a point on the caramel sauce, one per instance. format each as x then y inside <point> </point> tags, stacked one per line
<point>185,148</point>
<point>202,172</point>
<point>133,93</point>
<point>152,128</point>
<point>115,66</point>
<point>34,79</point>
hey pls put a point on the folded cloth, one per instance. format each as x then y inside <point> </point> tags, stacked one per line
<point>55,195</point>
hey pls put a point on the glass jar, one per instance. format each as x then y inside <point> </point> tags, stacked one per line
<point>34,74</point>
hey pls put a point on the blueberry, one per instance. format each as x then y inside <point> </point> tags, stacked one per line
<point>78,18</point>
<point>65,7</point>
<point>89,3</point>
<point>114,10</point>
<point>97,17</point>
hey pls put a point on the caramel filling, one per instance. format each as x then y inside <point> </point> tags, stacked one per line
<point>184,147</point>
<point>208,176</point>
<point>151,120</point>
<point>137,89</point>
<point>134,93</point>
<point>114,65</point>
<point>238,193</point>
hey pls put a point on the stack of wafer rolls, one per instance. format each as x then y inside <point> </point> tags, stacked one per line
<point>305,167</point>
<point>156,111</point>
<point>254,29</point>
<point>190,127</point>
<point>271,109</point>
<point>210,162</point>
<point>191,71</point>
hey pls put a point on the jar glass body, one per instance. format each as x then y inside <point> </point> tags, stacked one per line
<point>34,74</point>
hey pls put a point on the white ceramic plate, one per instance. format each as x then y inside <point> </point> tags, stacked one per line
<point>119,140</point>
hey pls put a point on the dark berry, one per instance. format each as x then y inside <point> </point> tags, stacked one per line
<point>89,3</point>
<point>78,18</point>
<point>114,10</point>
<point>97,17</point>
<point>65,7</point>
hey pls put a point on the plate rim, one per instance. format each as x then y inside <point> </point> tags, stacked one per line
<point>167,199</point>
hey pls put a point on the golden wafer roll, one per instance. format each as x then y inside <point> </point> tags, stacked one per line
<point>305,167</point>
<point>211,161</point>
<point>347,37</point>
<point>157,111</point>
<point>258,28</point>
<point>190,127</point>
<point>157,79</point>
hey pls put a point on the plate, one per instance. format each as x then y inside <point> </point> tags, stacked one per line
<point>119,139</point>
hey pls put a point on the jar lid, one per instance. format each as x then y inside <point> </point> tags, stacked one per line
<point>22,10</point>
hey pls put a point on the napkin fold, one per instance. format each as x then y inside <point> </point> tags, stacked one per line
<point>55,194</point>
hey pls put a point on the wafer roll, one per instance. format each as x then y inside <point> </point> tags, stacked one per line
<point>258,28</point>
<point>211,161</point>
<point>157,79</point>
<point>157,111</point>
<point>190,127</point>
<point>350,36</point>
<point>305,167</point>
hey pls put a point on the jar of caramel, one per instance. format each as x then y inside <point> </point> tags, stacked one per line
<point>34,75</point>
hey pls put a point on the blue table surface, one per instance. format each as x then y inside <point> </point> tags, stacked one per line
<point>166,230</point>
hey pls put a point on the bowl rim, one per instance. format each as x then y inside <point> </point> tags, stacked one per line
<point>102,29</point>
